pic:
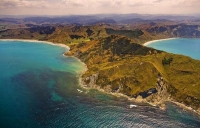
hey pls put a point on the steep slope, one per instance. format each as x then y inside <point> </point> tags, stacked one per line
<point>115,64</point>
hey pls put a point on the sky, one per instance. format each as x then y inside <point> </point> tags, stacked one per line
<point>84,7</point>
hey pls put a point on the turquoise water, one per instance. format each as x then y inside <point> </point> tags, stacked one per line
<point>184,46</point>
<point>38,88</point>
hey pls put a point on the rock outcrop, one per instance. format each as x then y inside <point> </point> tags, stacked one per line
<point>161,95</point>
<point>90,81</point>
<point>154,96</point>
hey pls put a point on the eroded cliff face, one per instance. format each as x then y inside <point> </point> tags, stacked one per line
<point>161,95</point>
<point>154,96</point>
<point>117,65</point>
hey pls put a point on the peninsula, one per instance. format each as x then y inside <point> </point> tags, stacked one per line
<point>117,60</point>
<point>117,65</point>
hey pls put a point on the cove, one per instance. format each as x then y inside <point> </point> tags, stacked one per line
<point>185,46</point>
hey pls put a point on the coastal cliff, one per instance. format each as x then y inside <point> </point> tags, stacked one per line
<point>119,66</point>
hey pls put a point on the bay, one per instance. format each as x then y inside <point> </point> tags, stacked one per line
<point>184,46</point>
<point>38,88</point>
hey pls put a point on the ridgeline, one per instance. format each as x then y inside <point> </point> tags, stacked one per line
<point>117,65</point>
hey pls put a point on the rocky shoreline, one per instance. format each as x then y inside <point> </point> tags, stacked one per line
<point>157,99</point>
<point>139,99</point>
<point>161,103</point>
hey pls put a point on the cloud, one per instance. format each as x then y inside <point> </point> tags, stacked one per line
<point>8,3</point>
<point>100,6</point>
<point>87,3</point>
<point>177,2</point>
<point>73,3</point>
<point>190,3</point>
<point>23,3</point>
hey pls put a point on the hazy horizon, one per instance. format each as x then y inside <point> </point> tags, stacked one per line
<point>91,7</point>
<point>38,15</point>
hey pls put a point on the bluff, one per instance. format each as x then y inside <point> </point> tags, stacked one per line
<point>118,65</point>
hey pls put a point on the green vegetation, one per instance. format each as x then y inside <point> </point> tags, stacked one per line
<point>131,68</point>
<point>57,33</point>
<point>126,33</point>
<point>122,64</point>
<point>167,61</point>
<point>68,34</point>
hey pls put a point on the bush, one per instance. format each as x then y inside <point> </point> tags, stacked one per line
<point>167,61</point>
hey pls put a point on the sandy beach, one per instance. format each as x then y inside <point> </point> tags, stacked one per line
<point>37,41</point>
<point>51,43</point>
<point>153,41</point>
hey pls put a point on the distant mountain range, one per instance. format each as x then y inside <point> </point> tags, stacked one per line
<point>98,19</point>
<point>136,20</point>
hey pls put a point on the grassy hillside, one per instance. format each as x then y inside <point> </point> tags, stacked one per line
<point>118,65</point>
<point>69,34</point>
<point>66,34</point>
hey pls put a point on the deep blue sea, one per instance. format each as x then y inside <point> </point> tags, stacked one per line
<point>184,46</point>
<point>38,89</point>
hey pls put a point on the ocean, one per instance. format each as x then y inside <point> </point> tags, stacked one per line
<point>40,88</point>
<point>184,46</point>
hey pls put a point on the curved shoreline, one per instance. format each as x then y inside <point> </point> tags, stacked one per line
<point>37,41</point>
<point>50,43</point>
<point>183,106</point>
<point>154,41</point>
